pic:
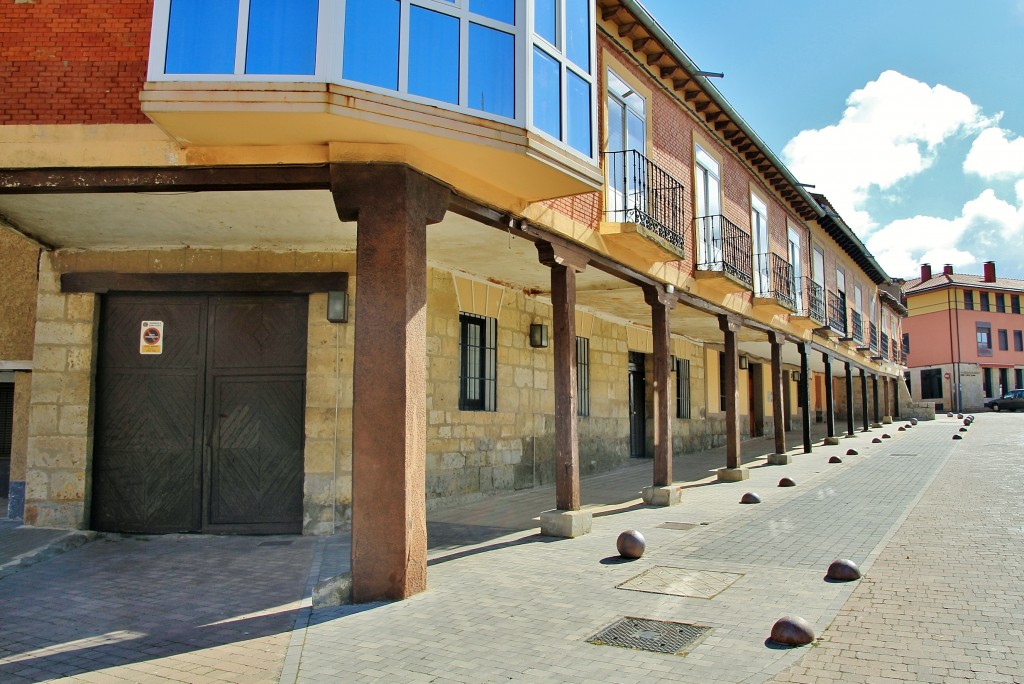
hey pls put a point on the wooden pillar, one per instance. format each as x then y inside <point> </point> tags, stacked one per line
<point>392,206</point>
<point>849,400</point>
<point>874,399</point>
<point>733,470</point>
<point>564,264</point>
<point>661,303</point>
<point>778,405</point>
<point>830,406</point>
<point>805,397</point>
<point>896,397</point>
<point>864,398</point>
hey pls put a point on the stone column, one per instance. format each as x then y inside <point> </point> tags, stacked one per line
<point>779,457</point>
<point>830,405</point>
<point>733,471</point>
<point>850,429</point>
<point>392,206</point>
<point>805,397</point>
<point>662,493</point>
<point>896,398</point>
<point>886,404</point>
<point>864,398</point>
<point>566,519</point>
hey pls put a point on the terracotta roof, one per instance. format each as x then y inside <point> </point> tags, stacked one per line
<point>940,280</point>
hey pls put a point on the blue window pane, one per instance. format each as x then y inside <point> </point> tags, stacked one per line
<point>433,55</point>
<point>545,23</point>
<point>547,87</point>
<point>578,106</point>
<point>577,32</point>
<point>502,10</point>
<point>282,37</point>
<point>371,42</point>
<point>492,71</point>
<point>201,37</point>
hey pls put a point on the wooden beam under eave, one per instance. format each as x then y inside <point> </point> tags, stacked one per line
<point>702,106</point>
<point>610,11</point>
<point>681,83</point>
<point>691,95</point>
<point>654,57</point>
<point>713,115</point>
<point>624,29</point>
<point>722,125</point>
<point>731,133</point>
<point>640,43</point>
<point>667,71</point>
<point>744,146</point>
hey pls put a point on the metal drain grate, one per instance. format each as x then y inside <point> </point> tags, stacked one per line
<point>649,635</point>
<point>274,543</point>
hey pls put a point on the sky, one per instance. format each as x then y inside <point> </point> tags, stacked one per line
<point>907,114</point>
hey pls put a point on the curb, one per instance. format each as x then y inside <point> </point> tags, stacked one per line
<point>67,542</point>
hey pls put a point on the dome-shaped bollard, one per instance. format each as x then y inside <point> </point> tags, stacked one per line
<point>851,452</point>
<point>913,421</point>
<point>876,440</point>
<point>631,544</point>
<point>949,415</point>
<point>971,416</point>
<point>963,429</point>
<point>787,482</point>
<point>908,426</point>
<point>886,435</point>
<point>901,429</point>
<point>843,570</point>
<point>750,498</point>
<point>959,415</point>
<point>967,421</point>
<point>835,459</point>
<point>957,437</point>
<point>791,630</point>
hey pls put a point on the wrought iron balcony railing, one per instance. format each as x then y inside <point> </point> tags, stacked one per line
<point>641,192</point>
<point>813,304</point>
<point>895,352</point>
<point>773,278</point>
<point>873,334</point>
<point>885,346</point>
<point>837,313</point>
<point>858,326</point>
<point>724,247</point>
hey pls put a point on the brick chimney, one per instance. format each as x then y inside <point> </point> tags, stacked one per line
<point>926,272</point>
<point>990,272</point>
<point>947,269</point>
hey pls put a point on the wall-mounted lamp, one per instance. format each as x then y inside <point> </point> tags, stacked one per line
<point>743,363</point>
<point>795,375</point>
<point>670,288</point>
<point>538,335</point>
<point>337,306</point>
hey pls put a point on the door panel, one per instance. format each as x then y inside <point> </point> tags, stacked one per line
<point>147,455</point>
<point>637,406</point>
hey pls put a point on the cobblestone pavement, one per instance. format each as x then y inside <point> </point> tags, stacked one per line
<point>944,602</point>
<point>506,604</point>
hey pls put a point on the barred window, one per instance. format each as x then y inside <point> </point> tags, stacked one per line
<point>722,391</point>
<point>682,388</point>
<point>478,364</point>
<point>582,376</point>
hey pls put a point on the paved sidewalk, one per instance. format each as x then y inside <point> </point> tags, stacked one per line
<point>506,604</point>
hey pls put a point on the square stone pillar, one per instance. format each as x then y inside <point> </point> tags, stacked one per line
<point>392,206</point>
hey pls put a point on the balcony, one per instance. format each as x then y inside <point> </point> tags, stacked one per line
<point>811,307</point>
<point>857,328</point>
<point>774,288</point>
<point>837,325</point>
<point>873,334</point>
<point>643,208</point>
<point>884,347</point>
<point>895,353</point>
<point>724,256</point>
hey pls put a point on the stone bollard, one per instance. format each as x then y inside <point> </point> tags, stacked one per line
<point>631,544</point>
<point>791,630</point>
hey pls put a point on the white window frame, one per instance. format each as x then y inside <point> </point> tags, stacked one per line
<point>705,167</point>
<point>796,263</point>
<point>759,225</point>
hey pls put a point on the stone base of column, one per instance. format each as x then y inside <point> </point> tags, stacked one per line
<point>876,425</point>
<point>565,524</point>
<point>779,459</point>
<point>733,474</point>
<point>831,441</point>
<point>886,420</point>
<point>663,496</point>
<point>849,436</point>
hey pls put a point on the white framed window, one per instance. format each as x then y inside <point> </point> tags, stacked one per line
<point>708,197</point>
<point>762,250</point>
<point>496,59</point>
<point>796,263</point>
<point>627,137</point>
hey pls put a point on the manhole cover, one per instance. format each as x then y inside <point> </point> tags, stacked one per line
<point>681,582</point>
<point>649,635</point>
<point>678,525</point>
<point>275,543</point>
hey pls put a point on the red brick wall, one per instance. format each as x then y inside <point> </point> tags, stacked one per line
<point>73,61</point>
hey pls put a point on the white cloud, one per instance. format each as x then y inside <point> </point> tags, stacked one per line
<point>987,228</point>
<point>996,155</point>
<point>891,130</point>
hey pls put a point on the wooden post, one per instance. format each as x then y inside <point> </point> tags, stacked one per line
<point>778,406</point>
<point>805,397</point>
<point>661,303</point>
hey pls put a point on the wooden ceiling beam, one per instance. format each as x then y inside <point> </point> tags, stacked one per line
<point>654,57</point>
<point>624,29</point>
<point>640,43</point>
<point>610,11</point>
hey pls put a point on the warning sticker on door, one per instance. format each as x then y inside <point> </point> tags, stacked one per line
<point>151,337</point>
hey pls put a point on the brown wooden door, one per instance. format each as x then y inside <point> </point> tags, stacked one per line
<point>207,435</point>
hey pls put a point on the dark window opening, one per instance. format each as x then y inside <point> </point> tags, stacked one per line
<point>1004,343</point>
<point>1001,303</point>
<point>582,376</point>
<point>931,383</point>
<point>1019,377</point>
<point>969,300</point>
<point>1015,304</point>
<point>682,388</point>
<point>721,382</point>
<point>478,364</point>
<point>1004,381</point>
<point>983,299</point>
<point>906,344</point>
<point>1018,340</point>
<point>986,382</point>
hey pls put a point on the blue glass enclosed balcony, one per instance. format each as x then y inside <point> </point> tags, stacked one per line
<point>500,91</point>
